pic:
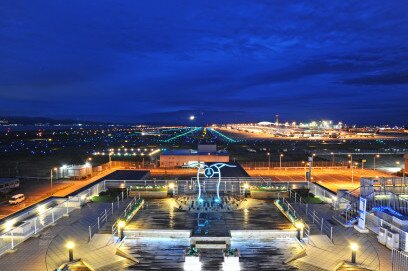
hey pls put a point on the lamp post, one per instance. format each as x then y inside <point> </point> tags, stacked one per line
<point>171,188</point>
<point>280,160</point>
<point>351,167</point>
<point>299,230</point>
<point>53,169</point>
<point>110,159</point>
<point>376,156</point>
<point>269,160</point>
<point>354,248</point>
<point>403,170</point>
<point>121,227</point>
<point>70,246</point>
<point>332,153</point>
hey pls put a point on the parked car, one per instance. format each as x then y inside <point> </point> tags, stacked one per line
<point>16,199</point>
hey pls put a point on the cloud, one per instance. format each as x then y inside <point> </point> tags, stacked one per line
<point>393,78</point>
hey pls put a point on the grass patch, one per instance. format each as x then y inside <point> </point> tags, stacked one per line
<point>111,195</point>
<point>312,200</point>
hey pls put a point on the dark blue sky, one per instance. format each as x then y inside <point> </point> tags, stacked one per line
<point>144,61</point>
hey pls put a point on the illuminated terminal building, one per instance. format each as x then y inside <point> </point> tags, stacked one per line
<point>184,157</point>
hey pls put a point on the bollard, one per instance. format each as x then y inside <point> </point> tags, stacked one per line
<point>12,240</point>
<point>321,226</point>
<point>98,224</point>
<point>112,208</point>
<point>90,233</point>
<point>35,226</point>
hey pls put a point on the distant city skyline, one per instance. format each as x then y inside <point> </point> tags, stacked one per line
<point>239,61</point>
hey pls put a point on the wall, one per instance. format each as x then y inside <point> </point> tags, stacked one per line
<point>179,160</point>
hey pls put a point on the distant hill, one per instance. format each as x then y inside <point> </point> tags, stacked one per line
<point>43,120</point>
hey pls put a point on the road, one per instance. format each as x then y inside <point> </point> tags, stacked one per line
<point>36,191</point>
<point>333,179</point>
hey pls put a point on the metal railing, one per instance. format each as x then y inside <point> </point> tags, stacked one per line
<point>399,260</point>
<point>309,213</point>
<point>127,213</point>
<point>16,232</point>
<point>107,213</point>
<point>293,217</point>
<point>292,164</point>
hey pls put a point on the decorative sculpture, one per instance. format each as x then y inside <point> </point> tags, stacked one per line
<point>209,171</point>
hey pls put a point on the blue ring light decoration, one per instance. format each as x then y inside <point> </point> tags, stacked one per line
<point>209,172</point>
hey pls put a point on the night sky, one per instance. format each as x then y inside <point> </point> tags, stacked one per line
<point>224,61</point>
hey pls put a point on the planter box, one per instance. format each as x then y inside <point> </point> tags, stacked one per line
<point>264,194</point>
<point>149,194</point>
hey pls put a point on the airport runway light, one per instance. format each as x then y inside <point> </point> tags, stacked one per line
<point>121,227</point>
<point>299,230</point>
<point>70,246</point>
<point>354,248</point>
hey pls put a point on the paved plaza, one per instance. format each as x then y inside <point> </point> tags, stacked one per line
<point>47,251</point>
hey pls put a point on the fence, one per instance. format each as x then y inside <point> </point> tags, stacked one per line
<point>291,213</point>
<point>310,214</point>
<point>292,164</point>
<point>17,232</point>
<point>227,185</point>
<point>129,211</point>
<point>106,214</point>
<point>399,260</point>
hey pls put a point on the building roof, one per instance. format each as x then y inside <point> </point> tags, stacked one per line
<point>7,180</point>
<point>191,152</point>
<point>237,171</point>
<point>127,175</point>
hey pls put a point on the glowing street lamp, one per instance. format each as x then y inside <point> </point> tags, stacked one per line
<point>70,246</point>
<point>354,248</point>
<point>53,169</point>
<point>121,227</point>
<point>376,156</point>
<point>171,187</point>
<point>269,160</point>
<point>280,160</point>
<point>299,230</point>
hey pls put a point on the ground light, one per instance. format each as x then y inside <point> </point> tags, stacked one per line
<point>171,188</point>
<point>299,227</point>
<point>70,246</point>
<point>121,227</point>
<point>354,248</point>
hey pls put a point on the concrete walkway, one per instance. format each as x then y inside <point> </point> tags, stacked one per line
<point>48,252</point>
<point>371,254</point>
